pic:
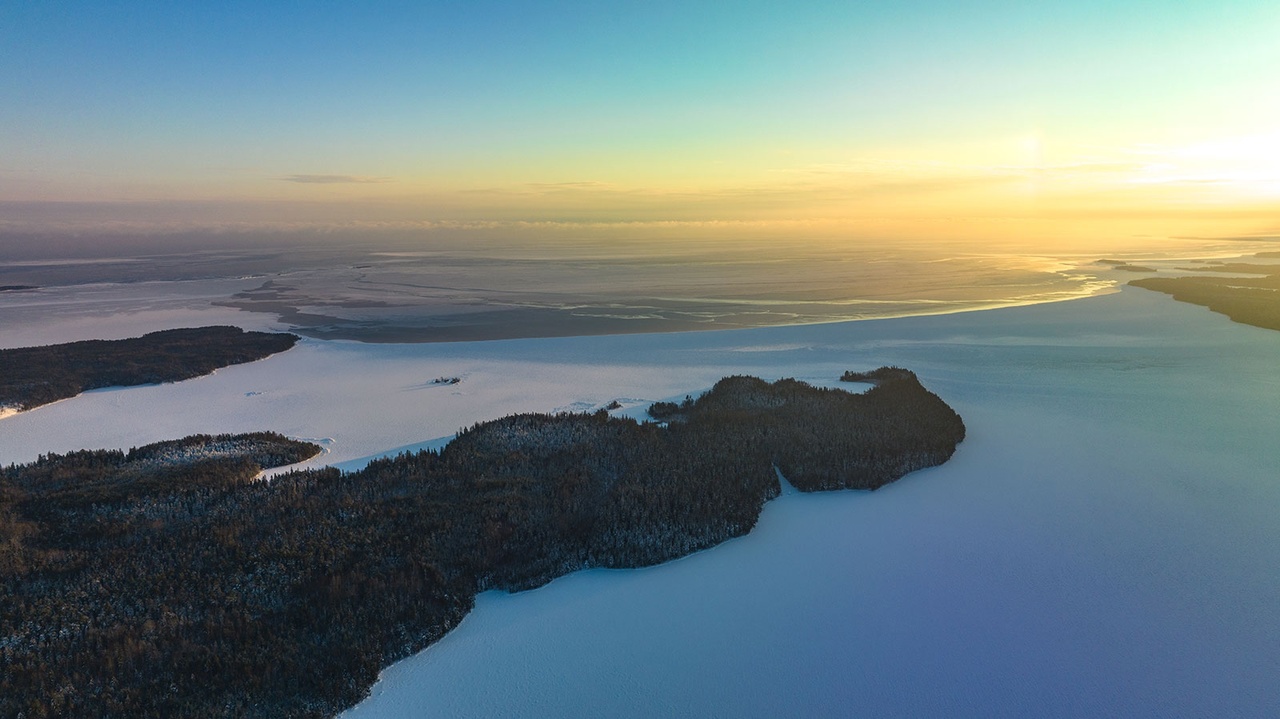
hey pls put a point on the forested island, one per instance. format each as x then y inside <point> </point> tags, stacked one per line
<point>1126,266</point>
<point>33,376</point>
<point>1248,300</point>
<point>165,581</point>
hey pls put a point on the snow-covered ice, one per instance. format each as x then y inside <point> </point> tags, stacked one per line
<point>1103,543</point>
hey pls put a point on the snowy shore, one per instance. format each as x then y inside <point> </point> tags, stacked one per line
<point>1102,544</point>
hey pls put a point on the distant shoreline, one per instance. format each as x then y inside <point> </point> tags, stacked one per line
<point>598,327</point>
<point>480,294</point>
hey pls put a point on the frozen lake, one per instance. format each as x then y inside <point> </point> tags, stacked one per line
<point>1104,543</point>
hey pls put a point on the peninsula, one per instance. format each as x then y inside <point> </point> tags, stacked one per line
<point>1248,300</point>
<point>166,581</point>
<point>34,376</point>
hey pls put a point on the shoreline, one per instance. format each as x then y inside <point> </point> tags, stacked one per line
<point>130,327</point>
<point>379,311</point>
<point>406,335</point>
<point>359,311</point>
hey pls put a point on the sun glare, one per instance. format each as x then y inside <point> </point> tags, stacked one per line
<point>1243,165</point>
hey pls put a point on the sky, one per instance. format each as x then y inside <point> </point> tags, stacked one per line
<point>954,120</point>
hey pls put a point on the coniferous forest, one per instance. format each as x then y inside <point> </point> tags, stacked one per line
<point>32,376</point>
<point>1248,300</point>
<point>168,581</point>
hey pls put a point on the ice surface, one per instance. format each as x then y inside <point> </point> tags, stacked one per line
<point>1103,543</point>
<point>482,290</point>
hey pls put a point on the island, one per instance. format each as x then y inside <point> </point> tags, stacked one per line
<point>1248,300</point>
<point>1125,265</point>
<point>167,581</point>
<point>35,376</point>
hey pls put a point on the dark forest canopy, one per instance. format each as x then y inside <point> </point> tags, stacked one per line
<point>32,376</point>
<point>878,375</point>
<point>1248,300</point>
<point>165,582</point>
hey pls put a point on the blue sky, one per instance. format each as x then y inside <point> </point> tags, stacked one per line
<point>414,103</point>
